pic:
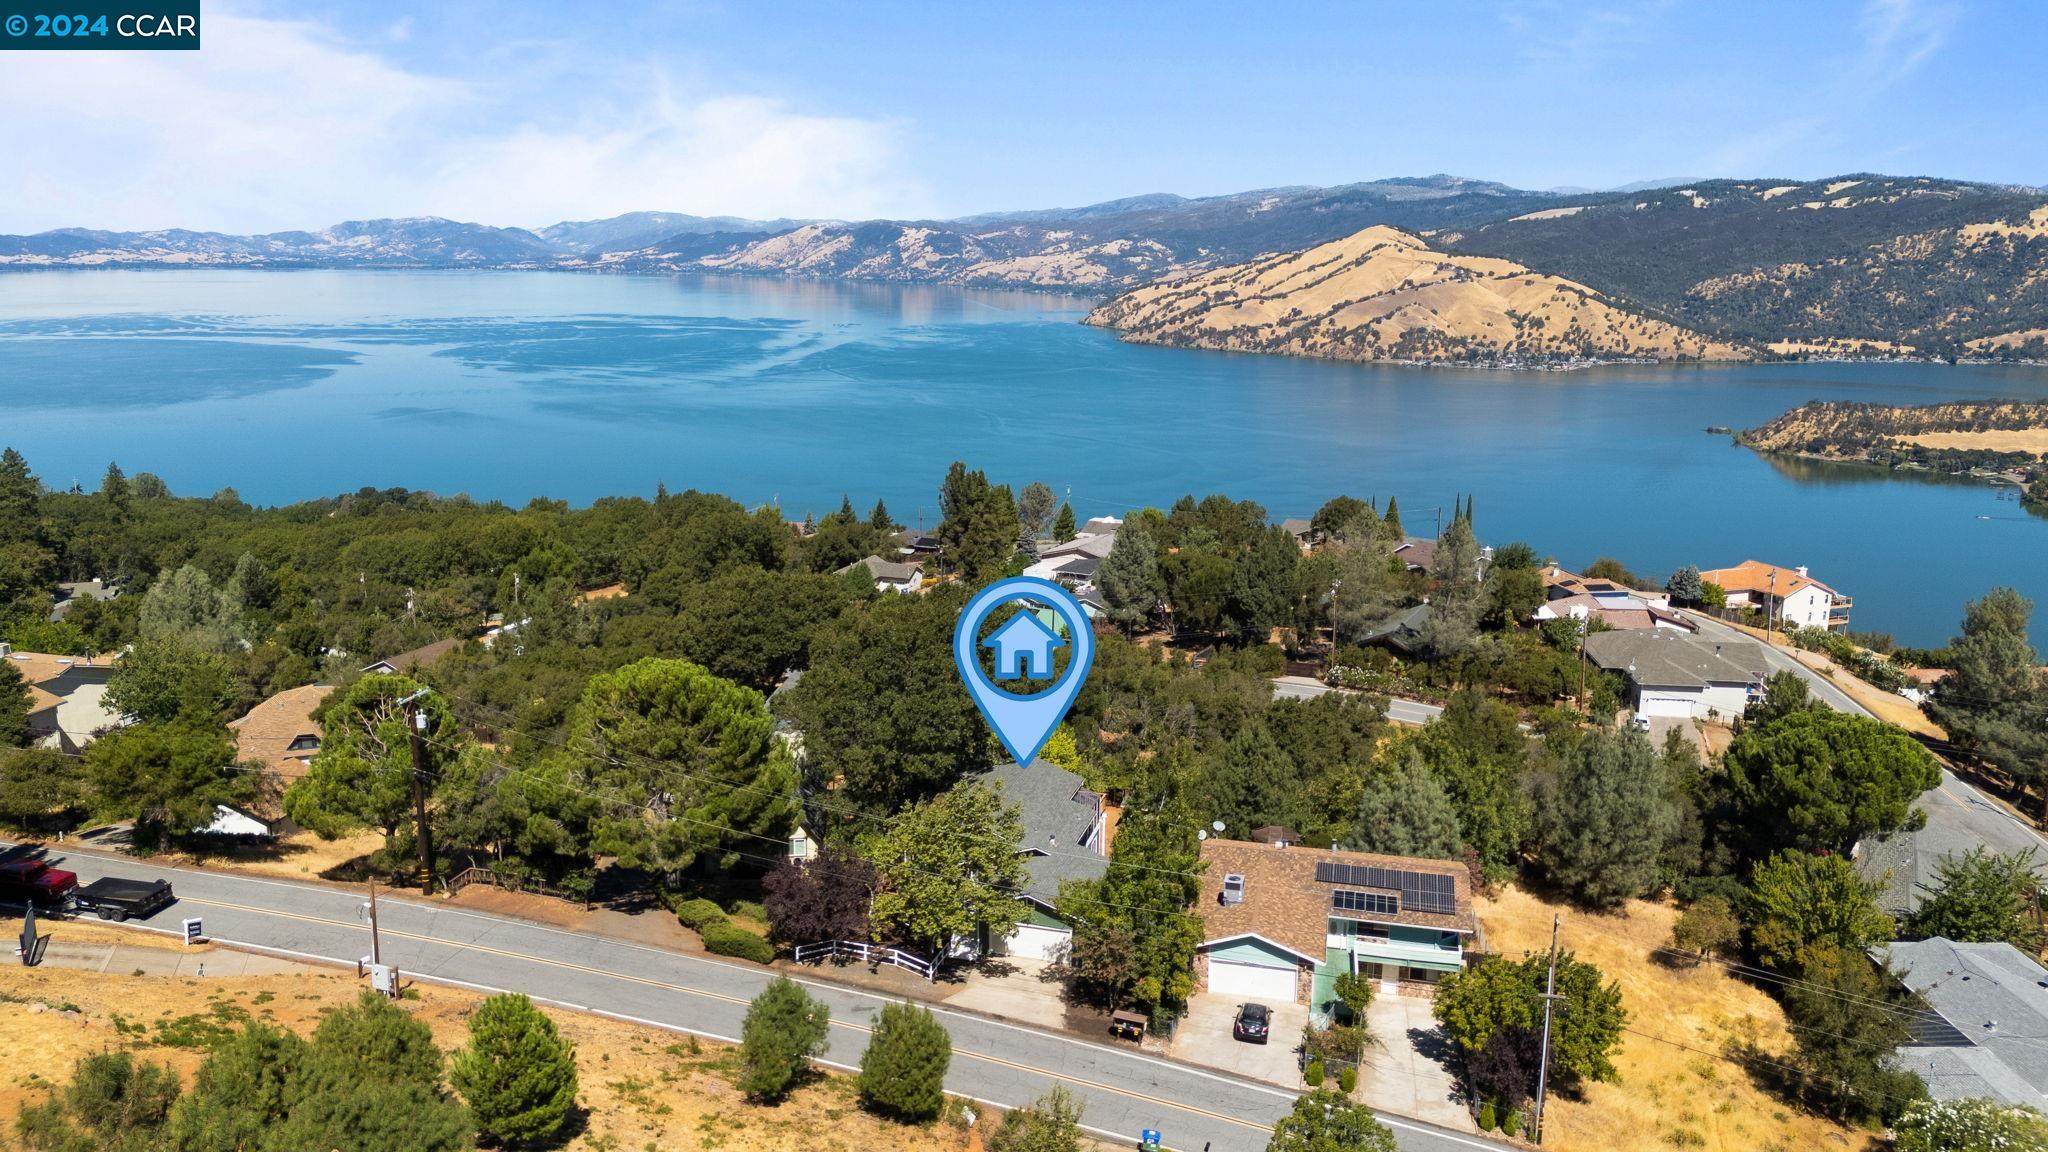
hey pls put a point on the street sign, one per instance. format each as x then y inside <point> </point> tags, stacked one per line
<point>193,932</point>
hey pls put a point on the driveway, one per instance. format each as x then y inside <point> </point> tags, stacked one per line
<point>1399,709</point>
<point>1204,1038</point>
<point>1014,988</point>
<point>1409,1071</point>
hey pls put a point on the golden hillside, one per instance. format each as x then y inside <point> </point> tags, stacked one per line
<point>1383,294</point>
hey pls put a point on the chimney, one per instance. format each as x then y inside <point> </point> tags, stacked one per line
<point>1801,570</point>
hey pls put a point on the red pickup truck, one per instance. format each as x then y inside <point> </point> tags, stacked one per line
<point>34,882</point>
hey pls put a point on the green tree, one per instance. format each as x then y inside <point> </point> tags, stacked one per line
<point>374,1037</point>
<point>885,719</point>
<point>1052,1124</point>
<point>1602,823</point>
<point>167,778</point>
<point>1797,899</point>
<point>948,867</point>
<point>1339,515</point>
<point>114,1103</point>
<point>1784,693</point>
<point>39,786</point>
<point>1035,505</point>
<point>903,1071</point>
<point>15,702</point>
<point>1685,586</point>
<point>1477,749</point>
<point>1129,575</point>
<point>252,588</point>
<point>185,606</point>
<point>1262,587</point>
<point>362,776</point>
<point>246,1086</point>
<point>1392,518</point>
<point>1707,926</point>
<point>979,528</point>
<point>1822,780</point>
<point>1063,524</point>
<point>1498,998</point>
<point>1982,896</point>
<point>1153,873</point>
<point>879,519</point>
<point>754,626</point>
<point>518,1075</point>
<point>1993,701</point>
<point>166,678</point>
<point>1404,811</point>
<point>1251,782</point>
<point>1512,595</point>
<point>784,1030</point>
<point>1971,1125</point>
<point>1845,1035</point>
<point>1328,1121</point>
<point>669,738</point>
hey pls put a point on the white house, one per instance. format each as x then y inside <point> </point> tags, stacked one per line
<point>1072,564</point>
<point>1571,596</point>
<point>67,697</point>
<point>1786,595</point>
<point>1676,674</point>
<point>1066,837</point>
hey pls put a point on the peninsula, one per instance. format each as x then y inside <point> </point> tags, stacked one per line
<point>2003,441</point>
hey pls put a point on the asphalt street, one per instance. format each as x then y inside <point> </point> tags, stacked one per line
<point>995,1062</point>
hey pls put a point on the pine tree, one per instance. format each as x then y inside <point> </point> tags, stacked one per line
<point>1404,811</point>
<point>1129,576</point>
<point>845,514</point>
<point>114,486</point>
<point>1063,524</point>
<point>1393,517</point>
<point>903,1072</point>
<point>518,1075</point>
<point>880,520</point>
<point>784,1029</point>
<point>1604,820</point>
<point>14,705</point>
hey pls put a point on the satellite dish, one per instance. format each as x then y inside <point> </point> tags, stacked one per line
<point>1201,833</point>
<point>1217,825</point>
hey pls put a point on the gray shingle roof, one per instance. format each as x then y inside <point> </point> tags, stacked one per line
<point>1994,1000</point>
<point>881,569</point>
<point>1906,862</point>
<point>1666,659</point>
<point>1058,814</point>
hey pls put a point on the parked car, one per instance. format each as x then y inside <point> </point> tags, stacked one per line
<point>1639,722</point>
<point>35,882</point>
<point>117,900</point>
<point>1253,1023</point>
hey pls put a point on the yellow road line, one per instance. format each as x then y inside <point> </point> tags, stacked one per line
<point>688,991</point>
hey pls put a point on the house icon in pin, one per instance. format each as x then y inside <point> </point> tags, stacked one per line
<point>1023,648</point>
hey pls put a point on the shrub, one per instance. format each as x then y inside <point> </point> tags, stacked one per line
<point>698,913</point>
<point>1486,1116</point>
<point>724,938</point>
<point>1347,1079</point>
<point>1313,1074</point>
<point>518,1075</point>
<point>1511,1124</point>
<point>783,1031</point>
<point>903,1071</point>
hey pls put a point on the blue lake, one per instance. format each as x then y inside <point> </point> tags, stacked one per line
<point>288,385</point>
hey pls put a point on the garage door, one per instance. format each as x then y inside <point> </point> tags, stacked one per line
<point>1271,985</point>
<point>1665,704</point>
<point>1036,942</point>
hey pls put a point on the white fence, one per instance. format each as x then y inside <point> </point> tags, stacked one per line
<point>865,953</point>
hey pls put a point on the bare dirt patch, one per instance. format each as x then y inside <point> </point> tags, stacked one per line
<point>1667,1096</point>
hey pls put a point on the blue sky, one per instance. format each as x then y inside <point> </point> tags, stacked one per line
<point>526,113</point>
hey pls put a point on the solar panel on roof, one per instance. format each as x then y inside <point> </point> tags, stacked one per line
<point>1420,891</point>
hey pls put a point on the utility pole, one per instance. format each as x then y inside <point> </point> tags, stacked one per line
<point>415,723</point>
<point>376,946</point>
<point>1549,1001</point>
<point>1771,606</point>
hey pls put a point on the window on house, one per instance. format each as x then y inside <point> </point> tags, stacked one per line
<point>1371,903</point>
<point>304,743</point>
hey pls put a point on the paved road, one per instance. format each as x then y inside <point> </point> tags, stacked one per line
<point>995,1062</point>
<point>1964,813</point>
<point>1404,711</point>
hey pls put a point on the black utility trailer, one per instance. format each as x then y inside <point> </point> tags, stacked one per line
<point>117,900</point>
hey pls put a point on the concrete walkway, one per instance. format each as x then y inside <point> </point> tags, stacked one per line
<point>134,960</point>
<point>1409,1072</point>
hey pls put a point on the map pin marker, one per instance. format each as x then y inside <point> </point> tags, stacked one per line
<point>1024,648</point>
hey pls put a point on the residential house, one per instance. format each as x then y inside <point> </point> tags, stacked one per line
<point>1303,533</point>
<point>280,733</point>
<point>888,575</point>
<point>914,545</point>
<point>1676,674</point>
<point>1785,595</point>
<point>1416,553</point>
<point>407,663</point>
<point>234,823</point>
<point>1066,837</point>
<point>67,697</point>
<point>1072,564</point>
<point>1402,632</point>
<point>1906,863</point>
<point>1281,922</point>
<point>1568,595</point>
<point>72,592</point>
<point>1986,1033</point>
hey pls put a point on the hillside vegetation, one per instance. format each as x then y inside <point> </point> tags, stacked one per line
<point>2002,436</point>
<point>1383,294</point>
<point>1936,267</point>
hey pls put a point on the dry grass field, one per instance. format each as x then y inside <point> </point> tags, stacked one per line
<point>1667,1096</point>
<point>643,1088</point>
<point>2033,440</point>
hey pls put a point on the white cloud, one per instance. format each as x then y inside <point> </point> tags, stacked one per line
<point>278,124</point>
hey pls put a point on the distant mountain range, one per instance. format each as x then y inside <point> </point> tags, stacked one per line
<point>1861,264</point>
